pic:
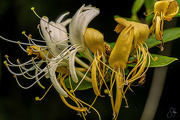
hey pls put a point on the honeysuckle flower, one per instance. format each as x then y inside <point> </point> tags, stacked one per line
<point>163,10</point>
<point>55,35</point>
<point>118,60</point>
<point>94,40</point>
<point>77,29</point>
<point>54,54</point>
<point>140,36</point>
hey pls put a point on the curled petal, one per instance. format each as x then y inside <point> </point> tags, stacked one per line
<point>54,80</point>
<point>173,9</point>
<point>79,24</point>
<point>72,66</point>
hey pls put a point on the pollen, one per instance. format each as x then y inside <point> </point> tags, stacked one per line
<point>37,99</point>
<point>32,8</point>
<point>5,62</point>
<point>6,56</point>
<point>106,91</point>
<point>23,32</point>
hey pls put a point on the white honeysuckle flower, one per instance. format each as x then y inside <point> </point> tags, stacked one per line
<point>77,27</point>
<point>54,53</point>
<point>55,34</point>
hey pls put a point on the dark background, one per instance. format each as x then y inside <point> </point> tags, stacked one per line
<point>19,104</point>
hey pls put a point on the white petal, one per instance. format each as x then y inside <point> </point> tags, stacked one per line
<point>55,82</point>
<point>61,17</point>
<point>72,66</point>
<point>79,24</point>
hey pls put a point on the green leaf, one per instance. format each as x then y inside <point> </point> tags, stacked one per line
<point>83,86</point>
<point>137,6</point>
<point>178,14</point>
<point>129,19</point>
<point>149,4</point>
<point>160,62</point>
<point>168,35</point>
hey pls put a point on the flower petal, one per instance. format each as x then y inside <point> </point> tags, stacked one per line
<point>79,24</point>
<point>54,81</point>
<point>72,65</point>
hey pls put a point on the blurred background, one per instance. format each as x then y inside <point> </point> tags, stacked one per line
<point>19,104</point>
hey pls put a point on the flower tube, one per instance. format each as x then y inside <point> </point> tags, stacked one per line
<point>118,60</point>
<point>139,46</point>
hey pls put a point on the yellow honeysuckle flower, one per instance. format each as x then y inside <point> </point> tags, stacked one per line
<point>163,10</point>
<point>118,60</point>
<point>94,40</point>
<point>138,49</point>
<point>140,36</point>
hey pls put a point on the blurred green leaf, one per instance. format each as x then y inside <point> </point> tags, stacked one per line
<point>149,4</point>
<point>168,35</point>
<point>149,19</point>
<point>160,62</point>
<point>137,6</point>
<point>129,19</point>
<point>178,15</point>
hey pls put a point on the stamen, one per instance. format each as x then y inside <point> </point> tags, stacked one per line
<point>38,99</point>
<point>32,8</point>
<point>31,84</point>
<point>31,40</point>
<point>22,43</point>
<point>19,43</point>
<point>82,78</point>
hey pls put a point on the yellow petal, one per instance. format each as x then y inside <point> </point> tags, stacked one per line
<point>158,32</point>
<point>94,79</point>
<point>94,40</point>
<point>141,31</point>
<point>161,7</point>
<point>172,10</point>
<point>120,53</point>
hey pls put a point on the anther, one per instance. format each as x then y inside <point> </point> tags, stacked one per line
<point>30,35</point>
<point>6,56</point>
<point>23,32</point>
<point>106,91</point>
<point>37,99</point>
<point>126,106</point>
<point>38,26</point>
<point>14,76</point>
<point>18,42</point>
<point>32,8</point>
<point>71,91</point>
<point>6,64</point>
